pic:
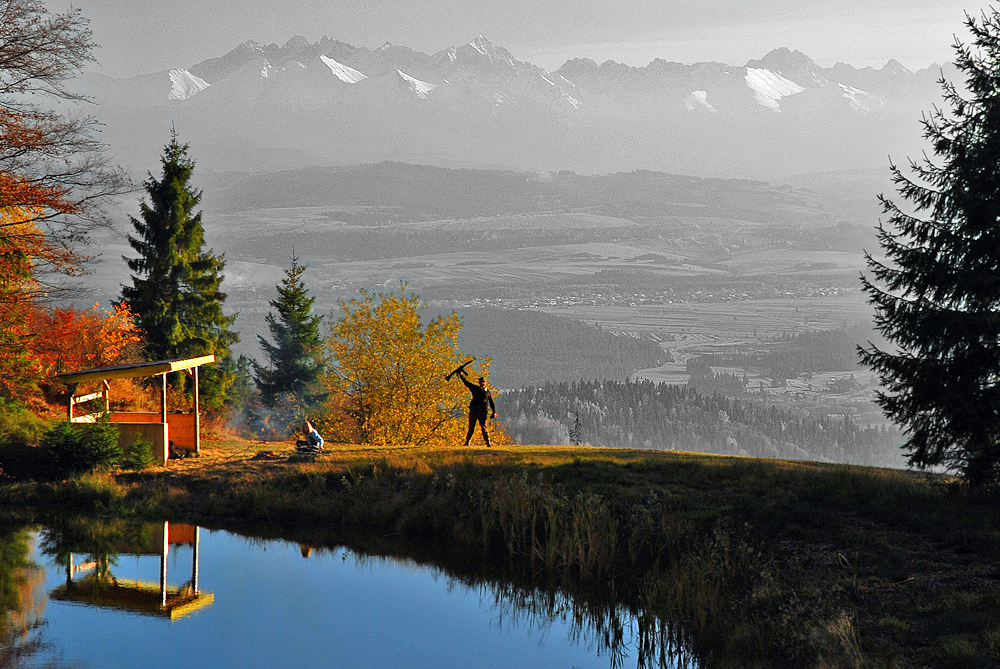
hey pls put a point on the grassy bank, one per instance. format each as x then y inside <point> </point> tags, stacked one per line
<point>790,563</point>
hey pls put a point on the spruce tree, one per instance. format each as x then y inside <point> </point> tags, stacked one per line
<point>176,285</point>
<point>294,364</point>
<point>937,292</point>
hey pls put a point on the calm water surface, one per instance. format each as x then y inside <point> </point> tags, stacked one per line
<point>238,602</point>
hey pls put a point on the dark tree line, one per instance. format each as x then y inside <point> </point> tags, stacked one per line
<point>795,354</point>
<point>707,382</point>
<point>672,417</point>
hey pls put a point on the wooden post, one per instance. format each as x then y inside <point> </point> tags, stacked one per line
<point>163,398</point>
<point>194,559</point>
<point>197,415</point>
<point>163,563</point>
<point>107,396</point>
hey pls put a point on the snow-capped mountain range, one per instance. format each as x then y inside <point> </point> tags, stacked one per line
<point>262,107</point>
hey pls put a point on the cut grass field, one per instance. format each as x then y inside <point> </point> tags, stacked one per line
<point>766,562</point>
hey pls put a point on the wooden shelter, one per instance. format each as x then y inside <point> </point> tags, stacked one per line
<point>180,430</point>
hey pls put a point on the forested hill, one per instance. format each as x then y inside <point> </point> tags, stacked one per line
<point>795,354</point>
<point>419,192</point>
<point>671,417</point>
<point>532,347</point>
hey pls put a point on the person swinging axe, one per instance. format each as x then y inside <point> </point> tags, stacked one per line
<point>479,406</point>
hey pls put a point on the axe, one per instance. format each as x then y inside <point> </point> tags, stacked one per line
<point>459,369</point>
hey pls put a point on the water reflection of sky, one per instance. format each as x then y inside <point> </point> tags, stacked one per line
<point>334,609</point>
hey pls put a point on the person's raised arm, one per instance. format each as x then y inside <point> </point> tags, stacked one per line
<point>468,385</point>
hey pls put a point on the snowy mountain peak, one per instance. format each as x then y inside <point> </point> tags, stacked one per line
<point>793,65</point>
<point>346,74</point>
<point>784,58</point>
<point>420,88</point>
<point>296,42</point>
<point>215,69</point>
<point>577,67</point>
<point>769,87</point>
<point>894,67</point>
<point>487,50</point>
<point>183,85</point>
<point>698,100</point>
<point>481,44</point>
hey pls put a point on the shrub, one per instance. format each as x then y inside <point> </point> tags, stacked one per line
<point>18,424</point>
<point>19,428</point>
<point>74,448</point>
<point>20,461</point>
<point>138,454</point>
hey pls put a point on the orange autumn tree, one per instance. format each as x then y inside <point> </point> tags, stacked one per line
<point>69,339</point>
<point>53,172</point>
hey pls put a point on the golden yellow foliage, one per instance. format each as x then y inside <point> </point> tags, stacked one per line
<point>389,372</point>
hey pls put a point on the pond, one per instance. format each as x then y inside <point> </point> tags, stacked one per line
<point>169,594</point>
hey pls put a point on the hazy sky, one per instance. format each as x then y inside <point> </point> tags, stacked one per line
<point>139,36</point>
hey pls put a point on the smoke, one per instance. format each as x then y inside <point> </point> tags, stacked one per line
<point>541,430</point>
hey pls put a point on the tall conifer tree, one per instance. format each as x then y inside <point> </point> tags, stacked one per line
<point>294,359</point>
<point>937,292</point>
<point>176,285</point>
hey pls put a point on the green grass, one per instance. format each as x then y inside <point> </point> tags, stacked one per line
<point>772,562</point>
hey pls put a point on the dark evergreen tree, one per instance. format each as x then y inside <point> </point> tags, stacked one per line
<point>937,293</point>
<point>294,362</point>
<point>576,432</point>
<point>176,285</point>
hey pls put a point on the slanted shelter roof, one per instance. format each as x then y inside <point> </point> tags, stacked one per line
<point>133,370</point>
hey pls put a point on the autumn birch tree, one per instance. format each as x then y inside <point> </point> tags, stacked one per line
<point>392,371</point>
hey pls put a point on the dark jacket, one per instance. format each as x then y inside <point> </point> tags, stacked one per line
<point>481,398</point>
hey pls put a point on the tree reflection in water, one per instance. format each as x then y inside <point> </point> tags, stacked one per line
<point>612,630</point>
<point>22,599</point>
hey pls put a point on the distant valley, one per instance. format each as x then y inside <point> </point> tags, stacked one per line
<point>673,269</point>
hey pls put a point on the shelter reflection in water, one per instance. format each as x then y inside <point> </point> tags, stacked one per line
<point>90,581</point>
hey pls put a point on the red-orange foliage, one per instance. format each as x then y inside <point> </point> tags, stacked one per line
<point>68,339</point>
